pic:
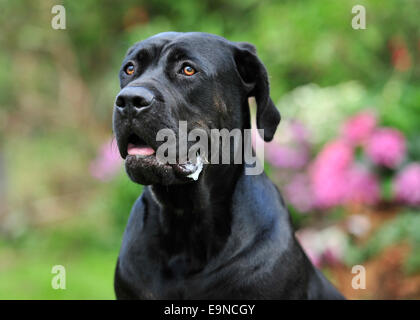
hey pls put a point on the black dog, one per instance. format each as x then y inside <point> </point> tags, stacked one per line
<point>227,235</point>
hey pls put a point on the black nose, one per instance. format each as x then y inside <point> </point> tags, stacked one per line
<point>137,97</point>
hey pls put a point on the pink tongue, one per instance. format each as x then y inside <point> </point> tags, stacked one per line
<point>140,151</point>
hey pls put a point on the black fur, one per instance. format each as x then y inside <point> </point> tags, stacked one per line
<point>227,235</point>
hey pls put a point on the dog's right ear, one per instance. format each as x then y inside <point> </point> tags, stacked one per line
<point>255,80</point>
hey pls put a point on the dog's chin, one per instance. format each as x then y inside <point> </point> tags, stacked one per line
<point>147,170</point>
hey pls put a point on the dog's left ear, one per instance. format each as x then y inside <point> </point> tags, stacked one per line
<point>255,79</point>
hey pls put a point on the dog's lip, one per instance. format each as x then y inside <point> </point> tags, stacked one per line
<point>149,159</point>
<point>186,170</point>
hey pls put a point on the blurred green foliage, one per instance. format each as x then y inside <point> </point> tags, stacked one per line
<point>57,89</point>
<point>404,228</point>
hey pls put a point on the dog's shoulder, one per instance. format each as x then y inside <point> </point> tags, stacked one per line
<point>259,217</point>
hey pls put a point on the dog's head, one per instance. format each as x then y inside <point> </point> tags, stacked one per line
<point>199,78</point>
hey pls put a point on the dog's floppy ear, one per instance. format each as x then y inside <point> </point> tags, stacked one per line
<point>255,79</point>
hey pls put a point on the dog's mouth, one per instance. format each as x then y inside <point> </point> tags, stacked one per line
<point>141,161</point>
<point>138,147</point>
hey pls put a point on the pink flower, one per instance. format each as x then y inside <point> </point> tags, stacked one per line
<point>107,163</point>
<point>314,257</point>
<point>336,155</point>
<point>326,246</point>
<point>286,157</point>
<point>293,154</point>
<point>335,243</point>
<point>300,133</point>
<point>328,174</point>
<point>407,185</point>
<point>299,193</point>
<point>386,147</point>
<point>336,180</point>
<point>362,186</point>
<point>329,189</point>
<point>358,129</point>
<point>310,241</point>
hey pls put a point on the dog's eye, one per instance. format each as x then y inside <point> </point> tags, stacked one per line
<point>188,70</point>
<point>129,69</point>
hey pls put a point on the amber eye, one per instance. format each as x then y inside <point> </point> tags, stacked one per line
<point>129,69</point>
<point>188,70</point>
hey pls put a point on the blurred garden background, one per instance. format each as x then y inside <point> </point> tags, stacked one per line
<point>346,156</point>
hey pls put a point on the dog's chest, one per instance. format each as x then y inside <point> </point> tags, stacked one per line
<point>173,277</point>
<point>173,282</point>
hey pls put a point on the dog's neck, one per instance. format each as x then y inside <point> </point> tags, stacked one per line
<point>195,218</point>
